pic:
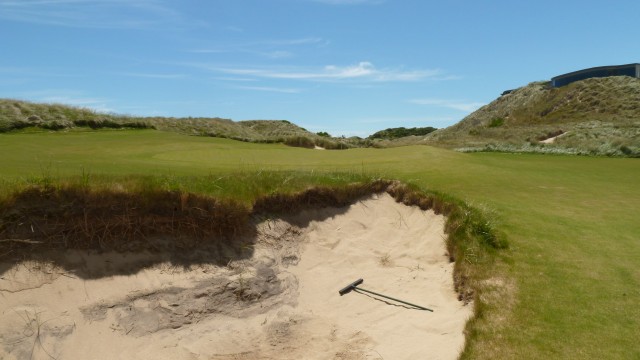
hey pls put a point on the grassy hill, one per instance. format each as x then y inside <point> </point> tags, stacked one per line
<point>17,115</point>
<point>599,116</point>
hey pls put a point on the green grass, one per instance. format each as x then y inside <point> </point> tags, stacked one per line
<point>570,277</point>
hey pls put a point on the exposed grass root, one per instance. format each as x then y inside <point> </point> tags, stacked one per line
<point>318,197</point>
<point>45,218</point>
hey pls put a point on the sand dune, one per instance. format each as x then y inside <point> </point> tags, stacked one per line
<point>282,303</point>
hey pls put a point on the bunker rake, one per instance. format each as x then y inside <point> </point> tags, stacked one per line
<point>354,286</point>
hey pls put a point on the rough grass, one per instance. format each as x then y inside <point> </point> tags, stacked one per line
<point>566,287</point>
<point>600,115</point>
<point>17,115</point>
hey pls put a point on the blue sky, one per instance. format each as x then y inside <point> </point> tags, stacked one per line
<point>349,67</point>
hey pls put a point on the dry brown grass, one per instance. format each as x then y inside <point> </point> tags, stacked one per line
<point>318,197</point>
<point>600,115</point>
<point>17,115</point>
<point>41,218</point>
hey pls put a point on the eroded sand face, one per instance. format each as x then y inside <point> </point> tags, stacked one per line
<point>283,303</point>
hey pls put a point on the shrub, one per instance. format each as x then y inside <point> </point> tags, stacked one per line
<point>496,122</point>
<point>53,125</point>
<point>394,133</point>
<point>300,141</point>
<point>626,150</point>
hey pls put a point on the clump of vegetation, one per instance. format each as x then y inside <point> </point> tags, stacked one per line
<point>385,260</point>
<point>496,122</point>
<point>399,132</point>
<point>300,141</point>
<point>110,124</point>
<point>18,115</point>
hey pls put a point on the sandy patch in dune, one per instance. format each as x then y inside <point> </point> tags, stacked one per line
<point>552,139</point>
<point>282,303</point>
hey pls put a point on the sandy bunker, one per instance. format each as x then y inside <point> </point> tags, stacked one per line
<point>282,303</point>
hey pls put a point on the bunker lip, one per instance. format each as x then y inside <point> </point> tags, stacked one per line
<point>280,301</point>
<point>42,218</point>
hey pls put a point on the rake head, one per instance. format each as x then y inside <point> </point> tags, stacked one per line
<point>347,289</point>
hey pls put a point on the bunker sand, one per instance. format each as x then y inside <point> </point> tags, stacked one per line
<point>282,303</point>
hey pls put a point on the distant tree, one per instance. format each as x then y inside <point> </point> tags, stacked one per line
<point>323,134</point>
<point>394,133</point>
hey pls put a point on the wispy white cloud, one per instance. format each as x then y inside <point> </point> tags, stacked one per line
<point>270,89</point>
<point>272,49</point>
<point>97,104</point>
<point>10,69</point>
<point>235,29</point>
<point>90,13</point>
<point>74,101</point>
<point>32,72</point>
<point>298,41</point>
<point>465,106</point>
<point>211,51</point>
<point>407,121</point>
<point>240,79</point>
<point>274,54</point>
<point>69,97</point>
<point>153,76</point>
<point>278,54</point>
<point>363,70</point>
<point>349,2</point>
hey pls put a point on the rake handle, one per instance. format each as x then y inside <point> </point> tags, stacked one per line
<point>356,289</point>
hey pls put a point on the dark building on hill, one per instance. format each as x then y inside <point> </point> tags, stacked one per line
<point>632,70</point>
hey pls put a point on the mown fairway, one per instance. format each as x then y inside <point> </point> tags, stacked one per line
<point>573,223</point>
